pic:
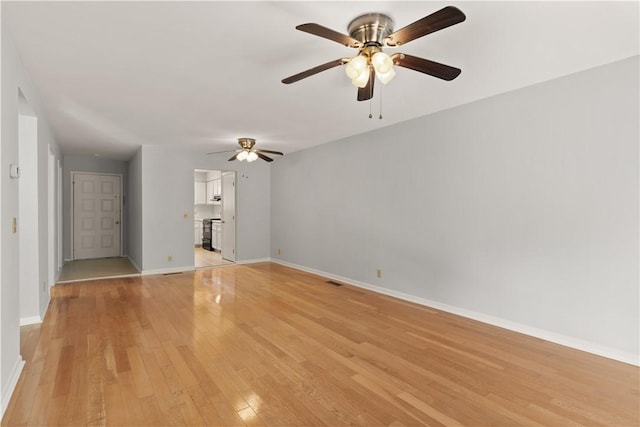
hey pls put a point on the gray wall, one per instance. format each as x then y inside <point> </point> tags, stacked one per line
<point>95,165</point>
<point>134,209</point>
<point>523,206</point>
<point>14,79</point>
<point>167,194</point>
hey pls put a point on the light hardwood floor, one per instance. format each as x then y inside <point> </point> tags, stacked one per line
<point>204,258</point>
<point>263,344</point>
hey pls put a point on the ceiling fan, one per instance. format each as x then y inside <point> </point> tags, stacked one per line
<point>371,32</point>
<point>248,153</point>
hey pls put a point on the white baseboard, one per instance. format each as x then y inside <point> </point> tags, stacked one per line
<point>24,321</point>
<point>45,304</point>
<point>253,261</point>
<point>12,381</point>
<point>185,269</point>
<point>568,341</point>
<point>166,271</point>
<point>136,266</point>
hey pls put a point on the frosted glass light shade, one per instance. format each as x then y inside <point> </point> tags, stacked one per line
<point>242,155</point>
<point>362,79</point>
<point>252,157</point>
<point>386,77</point>
<point>351,71</point>
<point>381,62</point>
<point>355,66</point>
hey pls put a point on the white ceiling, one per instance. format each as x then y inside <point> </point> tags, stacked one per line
<point>115,75</point>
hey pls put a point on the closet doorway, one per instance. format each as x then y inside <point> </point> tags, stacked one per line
<point>214,218</point>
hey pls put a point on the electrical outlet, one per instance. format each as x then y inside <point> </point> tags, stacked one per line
<point>379,273</point>
<point>170,258</point>
<point>279,251</point>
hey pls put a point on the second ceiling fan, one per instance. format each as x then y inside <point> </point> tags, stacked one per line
<point>248,153</point>
<point>369,34</point>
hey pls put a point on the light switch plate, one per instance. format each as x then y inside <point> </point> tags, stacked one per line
<point>14,171</point>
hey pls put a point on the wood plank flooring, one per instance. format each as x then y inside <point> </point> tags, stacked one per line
<point>204,258</point>
<point>263,344</point>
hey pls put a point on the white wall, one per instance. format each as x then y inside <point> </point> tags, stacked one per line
<point>134,209</point>
<point>28,219</point>
<point>167,194</point>
<point>92,165</point>
<point>14,78</point>
<point>522,207</point>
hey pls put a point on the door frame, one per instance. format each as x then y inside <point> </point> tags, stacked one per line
<point>235,210</point>
<point>51,220</point>
<point>235,214</point>
<point>73,193</point>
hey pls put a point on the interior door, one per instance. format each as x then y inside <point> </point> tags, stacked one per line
<point>96,215</point>
<point>228,217</point>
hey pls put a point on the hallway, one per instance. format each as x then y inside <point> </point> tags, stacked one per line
<point>99,268</point>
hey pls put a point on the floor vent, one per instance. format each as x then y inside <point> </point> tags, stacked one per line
<point>331,282</point>
<point>171,274</point>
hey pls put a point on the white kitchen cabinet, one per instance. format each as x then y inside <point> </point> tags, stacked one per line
<point>213,189</point>
<point>216,236</point>
<point>197,232</point>
<point>209,192</point>
<point>200,193</point>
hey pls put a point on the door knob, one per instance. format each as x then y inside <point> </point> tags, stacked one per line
<point>117,222</point>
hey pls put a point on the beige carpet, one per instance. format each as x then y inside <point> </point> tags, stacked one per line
<point>88,269</point>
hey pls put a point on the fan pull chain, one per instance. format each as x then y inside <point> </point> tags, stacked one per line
<point>380,91</point>
<point>370,102</point>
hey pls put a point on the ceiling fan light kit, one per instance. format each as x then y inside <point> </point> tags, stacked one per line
<point>248,153</point>
<point>369,33</point>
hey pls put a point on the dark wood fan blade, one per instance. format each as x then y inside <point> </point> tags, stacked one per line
<point>225,151</point>
<point>365,93</point>
<point>329,34</point>
<point>435,69</point>
<point>234,157</point>
<point>437,21</point>
<point>315,70</point>
<point>269,152</point>
<point>263,157</point>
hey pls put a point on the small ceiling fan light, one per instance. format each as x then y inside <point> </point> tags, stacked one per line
<point>359,63</point>
<point>242,155</point>
<point>362,79</point>
<point>251,156</point>
<point>351,71</point>
<point>381,62</point>
<point>386,77</point>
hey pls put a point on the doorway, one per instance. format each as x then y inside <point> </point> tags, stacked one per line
<point>96,207</point>
<point>214,218</point>
<point>29,262</point>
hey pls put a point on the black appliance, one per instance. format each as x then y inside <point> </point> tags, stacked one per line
<point>207,233</point>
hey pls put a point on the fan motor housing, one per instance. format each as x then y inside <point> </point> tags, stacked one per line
<point>246,143</point>
<point>371,28</point>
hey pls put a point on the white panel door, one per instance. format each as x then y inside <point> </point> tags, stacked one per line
<point>96,215</point>
<point>228,217</point>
